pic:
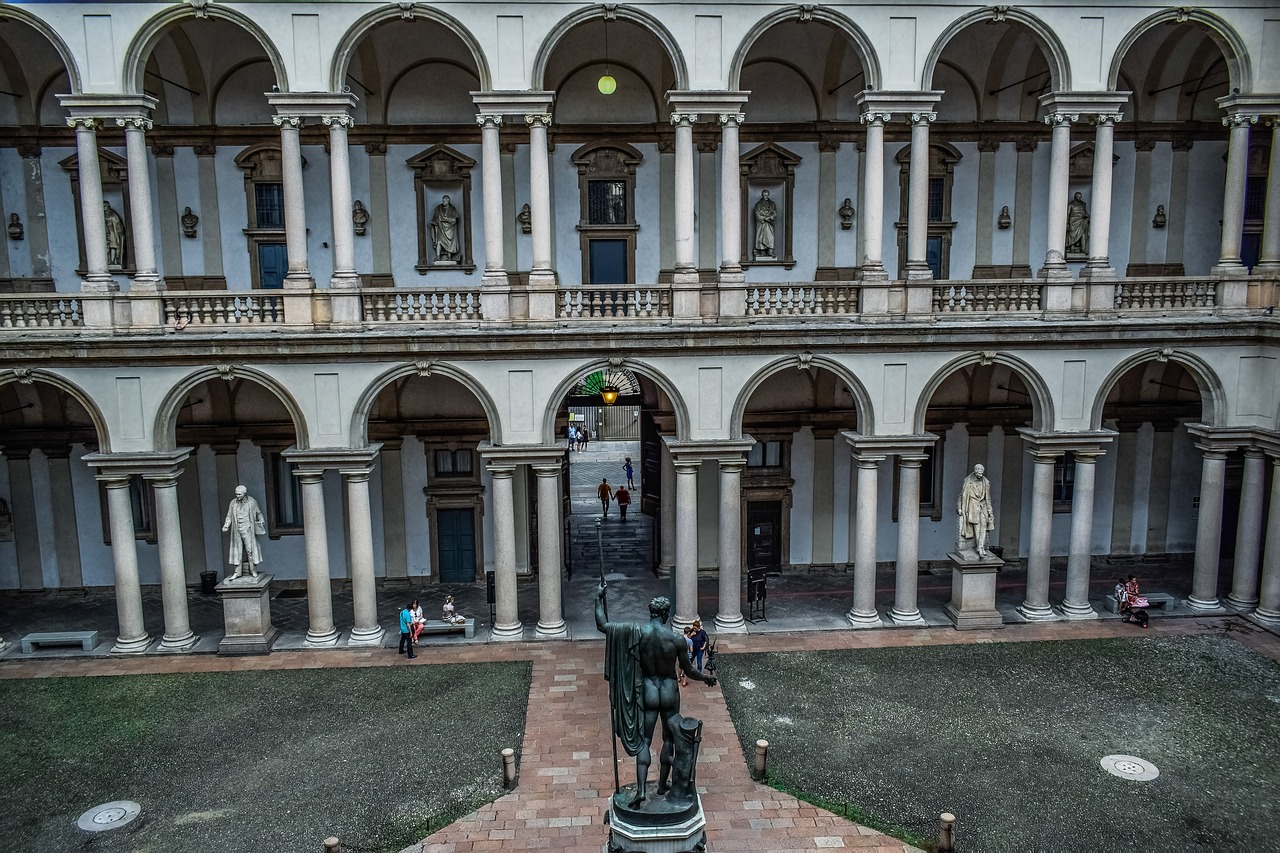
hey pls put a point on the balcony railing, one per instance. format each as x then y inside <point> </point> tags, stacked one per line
<point>612,301</point>
<point>222,309</point>
<point>1166,294</point>
<point>419,305</point>
<point>802,298</point>
<point>987,297</point>
<point>44,311</point>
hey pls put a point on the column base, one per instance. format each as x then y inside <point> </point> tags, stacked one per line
<point>179,644</point>
<point>730,623</point>
<point>1205,607</point>
<point>299,281</point>
<point>1229,269</point>
<point>321,640</point>
<point>1270,618</point>
<point>367,636</point>
<point>134,646</point>
<point>1098,271</point>
<point>552,631</point>
<point>99,283</point>
<point>863,620</point>
<point>907,618</point>
<point>507,632</point>
<point>1242,604</point>
<point>918,272</point>
<point>1037,612</point>
<point>1077,612</point>
<point>1059,270</point>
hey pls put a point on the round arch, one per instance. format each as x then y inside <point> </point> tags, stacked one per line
<point>14,13</point>
<point>167,415</point>
<point>1212,395</point>
<point>135,57</point>
<point>1055,53</point>
<point>861,399</point>
<point>571,380</point>
<point>74,391</point>
<point>866,53</point>
<point>362,27</point>
<point>1041,402</point>
<point>1222,34</point>
<point>364,405</point>
<point>626,13</point>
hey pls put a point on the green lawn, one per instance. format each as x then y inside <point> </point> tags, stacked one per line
<point>1009,736</point>
<point>261,762</point>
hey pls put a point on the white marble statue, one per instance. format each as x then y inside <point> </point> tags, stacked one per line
<point>115,235</point>
<point>444,232</point>
<point>1077,226</point>
<point>765,213</point>
<point>975,517</point>
<point>245,521</point>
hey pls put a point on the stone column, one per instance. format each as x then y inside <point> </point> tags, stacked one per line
<point>364,593</point>
<point>133,638</point>
<point>96,279</point>
<point>551,624</point>
<point>320,630</point>
<point>295,211</point>
<point>873,199</point>
<point>730,197</point>
<point>907,569</point>
<point>1036,604</point>
<point>729,618</point>
<point>1269,257</point>
<point>918,199</point>
<point>1204,576</point>
<point>344,251</point>
<point>495,296</point>
<point>1244,573</point>
<point>543,275</point>
<point>1055,263</point>
<point>1099,264</point>
<point>667,511</point>
<point>178,635</point>
<point>1233,199</point>
<point>1269,603</point>
<point>141,217</point>
<point>863,613</point>
<point>686,603</point>
<point>684,191</point>
<point>1076,603</point>
<point>507,625</point>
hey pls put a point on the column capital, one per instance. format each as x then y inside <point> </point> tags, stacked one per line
<point>887,104</point>
<point>292,121</point>
<point>684,119</point>
<point>501,470</point>
<point>83,108</point>
<point>875,117</point>
<point>735,119</point>
<point>339,119</point>
<point>135,122</point>
<point>86,122</point>
<point>1238,120</point>
<point>1249,107</point>
<point>1101,119</point>
<point>1075,104</point>
<point>489,120</point>
<point>304,105</point>
<point>1059,119</point>
<point>543,119</point>
<point>923,118</point>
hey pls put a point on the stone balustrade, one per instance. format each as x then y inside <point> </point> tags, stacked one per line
<point>788,299</point>
<point>609,302</point>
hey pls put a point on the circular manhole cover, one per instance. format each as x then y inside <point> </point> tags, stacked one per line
<point>109,816</point>
<point>1130,767</point>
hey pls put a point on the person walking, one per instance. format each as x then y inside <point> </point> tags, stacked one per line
<point>586,436</point>
<point>406,631</point>
<point>698,643</point>
<point>573,437</point>
<point>626,466</point>
<point>605,491</point>
<point>623,497</point>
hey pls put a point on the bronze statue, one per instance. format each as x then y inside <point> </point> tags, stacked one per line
<point>640,666</point>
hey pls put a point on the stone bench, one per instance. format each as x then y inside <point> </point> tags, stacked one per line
<point>87,640</point>
<point>1155,601</point>
<point>439,626</point>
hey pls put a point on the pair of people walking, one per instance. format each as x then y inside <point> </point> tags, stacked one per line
<point>606,494</point>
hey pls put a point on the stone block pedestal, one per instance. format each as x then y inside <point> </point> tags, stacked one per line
<point>973,593</point>
<point>657,826</point>
<point>246,613</point>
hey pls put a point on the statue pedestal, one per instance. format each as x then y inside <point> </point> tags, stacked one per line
<point>246,613</point>
<point>973,592</point>
<point>656,826</point>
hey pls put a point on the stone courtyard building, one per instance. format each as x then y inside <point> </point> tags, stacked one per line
<point>1041,237</point>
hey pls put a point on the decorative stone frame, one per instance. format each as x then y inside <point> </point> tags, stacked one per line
<point>115,182</point>
<point>453,492</point>
<point>260,163</point>
<point>445,171</point>
<point>613,161</point>
<point>765,167</point>
<point>942,164</point>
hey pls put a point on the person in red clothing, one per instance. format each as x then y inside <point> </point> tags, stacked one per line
<point>623,499</point>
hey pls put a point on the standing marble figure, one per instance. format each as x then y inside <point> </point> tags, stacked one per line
<point>640,666</point>
<point>765,213</point>
<point>976,518</point>
<point>245,521</point>
<point>115,235</point>
<point>444,231</point>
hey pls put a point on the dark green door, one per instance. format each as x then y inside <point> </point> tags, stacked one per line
<point>456,536</point>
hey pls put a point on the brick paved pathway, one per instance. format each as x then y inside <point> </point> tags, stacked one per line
<point>565,767</point>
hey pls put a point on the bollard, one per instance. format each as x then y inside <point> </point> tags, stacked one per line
<point>509,768</point>
<point>762,757</point>
<point>332,845</point>
<point>946,832</point>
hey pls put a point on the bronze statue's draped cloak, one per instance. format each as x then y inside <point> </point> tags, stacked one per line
<point>626,683</point>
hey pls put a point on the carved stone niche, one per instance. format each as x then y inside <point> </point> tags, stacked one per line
<point>442,171</point>
<point>115,190</point>
<point>607,212</point>
<point>768,168</point>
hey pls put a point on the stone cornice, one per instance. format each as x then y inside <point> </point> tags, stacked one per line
<point>898,105</point>
<point>503,103</point>
<point>311,104</point>
<point>711,103</point>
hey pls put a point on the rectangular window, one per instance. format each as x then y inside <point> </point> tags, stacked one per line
<point>268,202</point>
<point>765,454</point>
<point>936,189</point>
<point>453,463</point>
<point>1064,481</point>
<point>606,202</point>
<point>287,491</point>
<point>608,261</point>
